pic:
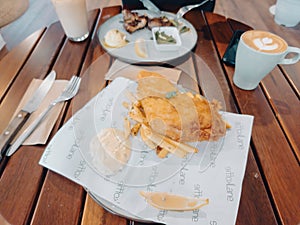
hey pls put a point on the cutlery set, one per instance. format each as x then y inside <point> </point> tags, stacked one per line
<point>7,143</point>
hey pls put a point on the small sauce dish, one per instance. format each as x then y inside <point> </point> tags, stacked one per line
<point>166,38</point>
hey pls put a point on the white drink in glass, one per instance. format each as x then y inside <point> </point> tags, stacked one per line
<point>73,17</point>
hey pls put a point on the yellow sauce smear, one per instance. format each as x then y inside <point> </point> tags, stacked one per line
<point>167,201</point>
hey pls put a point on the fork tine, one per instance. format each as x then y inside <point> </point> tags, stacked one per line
<point>76,85</point>
<point>70,90</point>
<point>72,85</point>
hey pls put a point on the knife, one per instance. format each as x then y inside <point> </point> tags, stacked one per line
<point>22,116</point>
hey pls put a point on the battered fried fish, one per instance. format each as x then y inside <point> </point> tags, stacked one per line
<point>183,117</point>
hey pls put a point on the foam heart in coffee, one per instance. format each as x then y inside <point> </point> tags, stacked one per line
<point>264,41</point>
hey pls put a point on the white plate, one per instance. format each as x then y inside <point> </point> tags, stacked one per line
<point>127,53</point>
<point>107,111</point>
<point>116,210</point>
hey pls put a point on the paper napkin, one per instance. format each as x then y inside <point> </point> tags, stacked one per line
<point>42,132</point>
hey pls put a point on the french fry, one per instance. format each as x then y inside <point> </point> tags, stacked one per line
<point>182,146</point>
<point>162,153</point>
<point>127,129</point>
<point>162,143</point>
<point>199,96</point>
<point>135,129</point>
<point>190,94</point>
<point>136,114</point>
<point>147,141</point>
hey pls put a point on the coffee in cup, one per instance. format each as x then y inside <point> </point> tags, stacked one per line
<point>287,12</point>
<point>264,42</point>
<point>258,53</point>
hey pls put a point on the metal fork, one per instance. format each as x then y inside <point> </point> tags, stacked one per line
<point>69,92</point>
<point>183,10</point>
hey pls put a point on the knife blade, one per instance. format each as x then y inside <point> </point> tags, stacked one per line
<point>22,116</point>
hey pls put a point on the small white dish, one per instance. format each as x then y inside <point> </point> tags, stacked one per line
<point>168,31</point>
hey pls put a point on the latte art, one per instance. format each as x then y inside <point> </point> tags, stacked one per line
<point>264,41</point>
<point>266,44</point>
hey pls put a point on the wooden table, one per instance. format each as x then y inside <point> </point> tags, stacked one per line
<point>30,194</point>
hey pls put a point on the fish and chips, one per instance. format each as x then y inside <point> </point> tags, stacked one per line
<point>167,122</point>
<point>166,119</point>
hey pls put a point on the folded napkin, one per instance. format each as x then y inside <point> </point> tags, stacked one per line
<point>3,221</point>
<point>41,133</point>
<point>122,69</point>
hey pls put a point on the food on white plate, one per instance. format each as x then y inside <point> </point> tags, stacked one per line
<point>159,22</point>
<point>140,48</point>
<point>115,39</point>
<point>153,84</point>
<point>181,116</point>
<point>133,21</point>
<point>168,201</point>
<point>170,118</point>
<point>112,148</point>
<point>184,29</point>
<point>165,144</point>
<point>162,38</point>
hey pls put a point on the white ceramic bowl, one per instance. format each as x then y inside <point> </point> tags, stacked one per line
<point>170,31</point>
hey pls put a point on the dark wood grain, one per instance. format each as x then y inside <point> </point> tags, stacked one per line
<point>11,64</point>
<point>90,86</point>
<point>276,157</point>
<point>37,66</point>
<point>94,214</point>
<point>96,64</point>
<point>18,195</point>
<point>254,197</point>
<point>279,90</point>
<point>256,14</point>
<point>64,195</point>
<point>270,193</point>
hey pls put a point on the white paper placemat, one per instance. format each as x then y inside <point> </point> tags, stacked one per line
<point>220,182</point>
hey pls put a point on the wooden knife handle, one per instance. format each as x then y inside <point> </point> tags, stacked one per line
<point>12,129</point>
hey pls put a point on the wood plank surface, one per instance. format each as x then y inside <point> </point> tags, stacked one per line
<point>94,214</point>
<point>11,64</point>
<point>19,199</point>
<point>37,196</point>
<point>37,66</point>
<point>275,155</point>
<point>254,197</point>
<point>96,65</point>
<point>66,198</point>
<point>256,14</point>
<point>278,91</point>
